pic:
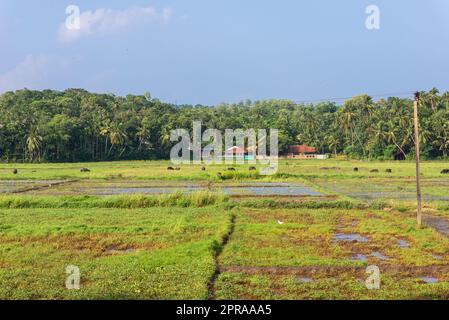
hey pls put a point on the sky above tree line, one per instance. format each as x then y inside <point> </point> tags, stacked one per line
<point>207,52</point>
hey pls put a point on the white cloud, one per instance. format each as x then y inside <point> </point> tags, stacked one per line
<point>103,22</point>
<point>34,72</point>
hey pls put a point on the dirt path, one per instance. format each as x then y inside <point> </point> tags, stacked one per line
<point>217,253</point>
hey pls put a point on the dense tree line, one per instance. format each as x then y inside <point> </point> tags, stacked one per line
<point>76,125</point>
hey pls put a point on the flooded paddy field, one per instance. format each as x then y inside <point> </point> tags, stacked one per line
<point>308,232</point>
<point>18,186</point>
<point>374,189</point>
<point>124,187</point>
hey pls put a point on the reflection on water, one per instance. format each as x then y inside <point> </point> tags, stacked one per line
<point>8,186</point>
<point>263,190</point>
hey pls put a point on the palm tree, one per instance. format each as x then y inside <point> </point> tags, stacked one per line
<point>117,136</point>
<point>333,143</point>
<point>33,144</point>
<point>391,134</point>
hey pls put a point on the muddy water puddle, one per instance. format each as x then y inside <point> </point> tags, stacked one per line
<point>305,280</point>
<point>12,186</point>
<point>372,190</point>
<point>429,280</point>
<point>168,187</point>
<point>359,257</point>
<point>345,237</point>
<point>229,190</point>
<point>438,223</point>
<point>403,244</point>
<point>379,256</point>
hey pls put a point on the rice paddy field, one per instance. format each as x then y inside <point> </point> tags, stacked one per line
<point>136,230</point>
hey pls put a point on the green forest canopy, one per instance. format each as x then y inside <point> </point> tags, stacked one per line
<point>76,125</point>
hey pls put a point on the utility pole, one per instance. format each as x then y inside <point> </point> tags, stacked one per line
<point>418,170</point>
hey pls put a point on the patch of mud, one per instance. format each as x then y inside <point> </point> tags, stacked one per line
<point>315,271</point>
<point>429,280</point>
<point>346,237</point>
<point>292,190</point>
<point>305,280</point>
<point>134,190</point>
<point>373,196</point>
<point>379,190</point>
<point>18,186</point>
<point>379,256</point>
<point>403,244</point>
<point>359,257</point>
<point>438,223</point>
<point>116,250</point>
<point>258,189</point>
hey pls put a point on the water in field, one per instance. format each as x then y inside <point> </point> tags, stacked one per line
<point>379,256</point>
<point>344,237</point>
<point>370,190</point>
<point>245,189</point>
<point>429,280</point>
<point>156,187</point>
<point>360,257</point>
<point>305,280</point>
<point>11,186</point>
<point>438,223</point>
<point>403,244</point>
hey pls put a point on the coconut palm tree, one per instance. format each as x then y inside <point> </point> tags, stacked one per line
<point>33,145</point>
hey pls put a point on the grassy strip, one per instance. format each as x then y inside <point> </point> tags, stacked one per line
<point>198,199</point>
<point>277,204</point>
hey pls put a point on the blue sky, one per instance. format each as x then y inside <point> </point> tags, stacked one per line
<point>212,51</point>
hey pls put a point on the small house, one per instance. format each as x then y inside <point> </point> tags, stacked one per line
<point>235,152</point>
<point>304,152</point>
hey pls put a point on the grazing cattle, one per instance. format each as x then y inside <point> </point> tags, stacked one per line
<point>356,169</point>
<point>388,171</point>
<point>177,168</point>
<point>252,169</point>
<point>171,169</point>
<point>84,170</point>
<point>203,169</point>
<point>14,171</point>
<point>445,171</point>
<point>231,169</point>
<point>374,170</point>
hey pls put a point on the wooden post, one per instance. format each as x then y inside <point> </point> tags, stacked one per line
<point>418,170</point>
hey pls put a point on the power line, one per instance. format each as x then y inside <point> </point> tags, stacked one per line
<point>395,94</point>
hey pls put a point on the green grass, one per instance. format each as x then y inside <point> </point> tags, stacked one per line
<point>178,199</point>
<point>163,247</point>
<point>157,170</point>
<point>158,253</point>
<point>345,286</point>
<point>265,259</point>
